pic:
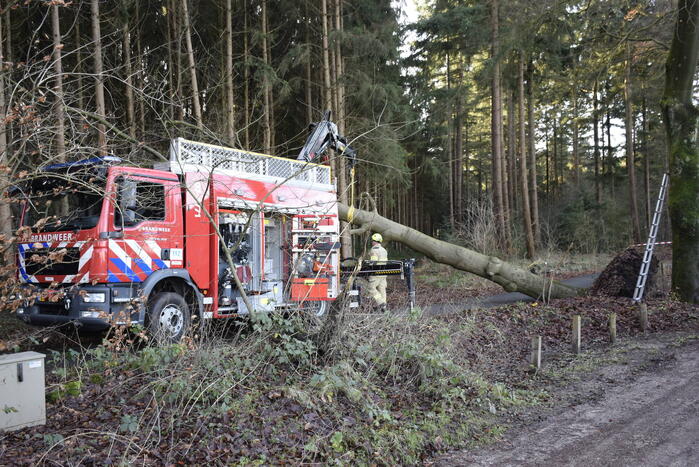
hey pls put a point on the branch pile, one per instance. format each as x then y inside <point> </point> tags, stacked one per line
<point>619,277</point>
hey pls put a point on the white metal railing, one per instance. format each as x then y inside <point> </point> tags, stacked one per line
<point>185,152</point>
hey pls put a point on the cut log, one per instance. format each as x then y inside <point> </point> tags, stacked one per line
<point>510,277</point>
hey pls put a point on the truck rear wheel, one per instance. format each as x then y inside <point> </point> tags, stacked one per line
<point>313,314</point>
<point>168,317</point>
<point>316,308</point>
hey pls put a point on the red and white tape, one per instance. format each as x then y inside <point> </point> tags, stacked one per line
<point>657,243</point>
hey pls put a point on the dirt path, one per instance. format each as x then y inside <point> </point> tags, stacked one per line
<point>652,420</point>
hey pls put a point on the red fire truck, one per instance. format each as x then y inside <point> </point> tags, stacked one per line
<point>107,242</point>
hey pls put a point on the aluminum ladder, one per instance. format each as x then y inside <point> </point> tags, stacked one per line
<point>648,254</point>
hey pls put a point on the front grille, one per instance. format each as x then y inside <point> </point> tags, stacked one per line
<point>69,264</point>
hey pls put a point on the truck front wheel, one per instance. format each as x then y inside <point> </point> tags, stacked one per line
<point>168,317</point>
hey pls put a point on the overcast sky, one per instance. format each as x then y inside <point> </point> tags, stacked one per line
<point>409,10</point>
<point>409,15</point>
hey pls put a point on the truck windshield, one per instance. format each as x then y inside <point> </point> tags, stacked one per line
<point>54,203</point>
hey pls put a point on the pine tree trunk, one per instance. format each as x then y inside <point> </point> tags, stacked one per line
<point>450,178</point>
<point>223,95</point>
<point>266,121</point>
<point>576,138</point>
<point>681,123</point>
<point>466,167</point>
<point>554,155</point>
<point>345,237</point>
<point>450,146</point>
<point>246,77</point>
<point>6,223</point>
<point>58,87</point>
<point>10,59</point>
<point>339,57</point>
<point>417,200</point>
<point>548,165</point>
<point>399,205</point>
<point>533,186</point>
<point>496,126</point>
<point>140,81</point>
<point>610,156</point>
<point>309,92</point>
<point>99,78</point>
<point>630,155</point>
<point>309,75</point>
<point>646,165</point>
<point>196,104</point>
<point>459,149</point>
<point>595,131</point>
<point>327,83</point>
<point>327,92</point>
<point>526,208</point>
<point>179,76</point>
<point>270,94</point>
<point>504,180</point>
<point>78,66</point>
<point>512,150</point>
<point>8,35</point>
<point>333,62</point>
<point>130,107</point>
<point>230,98</point>
<point>482,177</point>
<point>170,62</point>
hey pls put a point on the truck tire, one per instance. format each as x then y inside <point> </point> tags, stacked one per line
<point>317,308</point>
<point>168,317</point>
<point>313,314</point>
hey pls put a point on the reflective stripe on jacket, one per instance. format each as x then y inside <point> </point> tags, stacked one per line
<point>378,253</point>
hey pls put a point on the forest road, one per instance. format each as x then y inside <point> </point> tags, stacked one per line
<point>492,301</point>
<point>650,421</point>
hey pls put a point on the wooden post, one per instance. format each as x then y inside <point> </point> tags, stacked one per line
<point>576,334</point>
<point>612,328</point>
<point>643,316</point>
<point>535,358</point>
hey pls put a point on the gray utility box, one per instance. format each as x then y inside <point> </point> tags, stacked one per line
<point>22,397</point>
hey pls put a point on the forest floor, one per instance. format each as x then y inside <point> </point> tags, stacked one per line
<point>405,388</point>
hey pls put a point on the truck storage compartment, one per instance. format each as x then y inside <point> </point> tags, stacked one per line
<point>258,302</point>
<point>303,289</point>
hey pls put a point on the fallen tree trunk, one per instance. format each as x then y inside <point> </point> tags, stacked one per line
<point>511,278</point>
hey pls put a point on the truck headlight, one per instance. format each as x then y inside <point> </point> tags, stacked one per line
<point>94,297</point>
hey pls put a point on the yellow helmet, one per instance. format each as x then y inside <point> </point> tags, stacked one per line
<point>377,237</point>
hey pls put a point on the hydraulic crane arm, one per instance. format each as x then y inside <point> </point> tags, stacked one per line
<point>324,135</point>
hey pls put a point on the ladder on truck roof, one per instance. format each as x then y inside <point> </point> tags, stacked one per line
<point>648,253</point>
<point>186,155</point>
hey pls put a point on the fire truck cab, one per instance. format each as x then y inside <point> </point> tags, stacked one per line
<point>107,243</point>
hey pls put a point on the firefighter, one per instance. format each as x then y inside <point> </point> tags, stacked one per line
<point>377,284</point>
